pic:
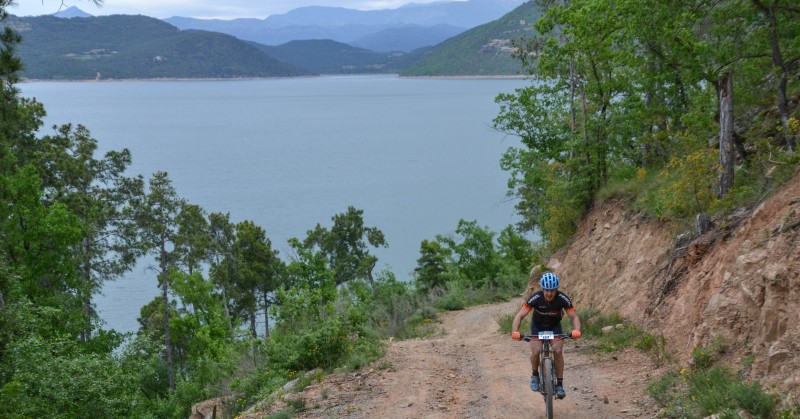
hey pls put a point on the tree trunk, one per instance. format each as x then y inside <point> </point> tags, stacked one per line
<point>165,301</point>
<point>726,151</point>
<point>86,333</point>
<point>227,309</point>
<point>266,316</point>
<point>780,65</point>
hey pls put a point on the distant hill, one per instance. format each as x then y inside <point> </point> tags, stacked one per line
<point>125,46</point>
<point>484,50</point>
<point>422,23</point>
<point>406,38</point>
<point>324,56</point>
<point>71,12</point>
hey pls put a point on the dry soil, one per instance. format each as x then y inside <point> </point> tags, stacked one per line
<point>471,370</point>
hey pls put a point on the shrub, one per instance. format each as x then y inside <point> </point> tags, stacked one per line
<point>454,298</point>
<point>302,350</point>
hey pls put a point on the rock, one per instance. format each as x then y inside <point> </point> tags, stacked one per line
<point>606,330</point>
<point>208,409</point>
<point>605,399</point>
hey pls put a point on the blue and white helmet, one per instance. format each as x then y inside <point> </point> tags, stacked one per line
<point>549,281</point>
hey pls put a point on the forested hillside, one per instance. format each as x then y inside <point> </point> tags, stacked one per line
<point>330,57</point>
<point>126,47</point>
<point>484,50</point>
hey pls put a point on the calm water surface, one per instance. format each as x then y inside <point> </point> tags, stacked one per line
<point>416,155</point>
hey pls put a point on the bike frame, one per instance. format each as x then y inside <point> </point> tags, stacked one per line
<point>547,367</point>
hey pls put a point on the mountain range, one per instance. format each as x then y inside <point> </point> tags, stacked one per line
<point>76,46</point>
<point>402,29</point>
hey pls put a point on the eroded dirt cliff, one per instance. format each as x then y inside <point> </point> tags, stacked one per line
<point>739,280</point>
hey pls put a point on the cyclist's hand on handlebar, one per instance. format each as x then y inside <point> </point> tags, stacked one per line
<point>576,334</point>
<point>515,336</point>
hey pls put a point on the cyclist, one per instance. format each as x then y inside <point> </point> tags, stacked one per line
<point>548,306</point>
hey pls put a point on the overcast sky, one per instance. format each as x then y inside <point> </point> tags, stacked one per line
<point>218,9</point>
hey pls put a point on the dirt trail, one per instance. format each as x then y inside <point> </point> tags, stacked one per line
<point>472,371</point>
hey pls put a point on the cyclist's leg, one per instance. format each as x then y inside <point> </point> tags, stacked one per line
<point>558,355</point>
<point>558,352</point>
<point>536,348</point>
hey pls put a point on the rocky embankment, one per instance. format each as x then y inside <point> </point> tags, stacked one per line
<point>740,280</point>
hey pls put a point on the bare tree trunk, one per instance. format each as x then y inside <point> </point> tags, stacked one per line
<point>780,64</point>
<point>266,316</point>
<point>253,331</point>
<point>165,301</point>
<point>86,333</point>
<point>726,151</point>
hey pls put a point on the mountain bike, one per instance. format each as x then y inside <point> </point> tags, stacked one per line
<point>547,367</point>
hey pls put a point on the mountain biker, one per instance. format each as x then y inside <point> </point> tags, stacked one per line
<point>548,306</point>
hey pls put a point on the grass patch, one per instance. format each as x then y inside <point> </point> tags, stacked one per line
<point>505,321</point>
<point>705,392</point>
<point>287,413</point>
<point>619,338</point>
<point>709,389</point>
<point>656,347</point>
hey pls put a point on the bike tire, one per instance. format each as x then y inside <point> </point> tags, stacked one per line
<point>548,387</point>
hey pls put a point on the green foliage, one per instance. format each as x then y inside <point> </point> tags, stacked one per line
<point>626,92</point>
<point>666,389</point>
<point>46,373</point>
<point>346,245</point>
<point>656,347</point>
<point>453,299</point>
<point>619,338</point>
<point>710,389</point>
<point>432,270</point>
<point>473,253</point>
<point>704,358</point>
<point>392,307</point>
<point>506,321</point>
<point>689,188</point>
<point>325,56</point>
<point>593,322</point>
<point>323,346</point>
<point>484,50</point>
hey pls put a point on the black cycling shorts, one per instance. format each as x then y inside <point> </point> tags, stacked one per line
<point>556,329</point>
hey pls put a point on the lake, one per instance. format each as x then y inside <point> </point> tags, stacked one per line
<point>416,155</point>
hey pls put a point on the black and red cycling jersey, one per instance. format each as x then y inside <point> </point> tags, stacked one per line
<point>548,314</point>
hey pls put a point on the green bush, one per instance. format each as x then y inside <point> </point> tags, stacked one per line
<point>302,350</point>
<point>453,299</point>
<point>716,390</point>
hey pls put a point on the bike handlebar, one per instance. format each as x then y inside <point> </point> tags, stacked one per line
<point>528,338</point>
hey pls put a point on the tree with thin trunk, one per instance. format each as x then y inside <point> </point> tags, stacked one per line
<point>726,154</point>
<point>98,193</point>
<point>259,272</point>
<point>222,236</point>
<point>782,20</point>
<point>158,221</point>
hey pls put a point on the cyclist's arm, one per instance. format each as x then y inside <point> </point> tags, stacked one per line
<point>575,319</point>
<point>523,311</point>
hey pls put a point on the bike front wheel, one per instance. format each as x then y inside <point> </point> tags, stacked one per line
<point>547,385</point>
